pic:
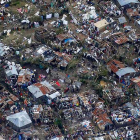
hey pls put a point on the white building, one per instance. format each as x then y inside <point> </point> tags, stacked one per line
<point>19,120</point>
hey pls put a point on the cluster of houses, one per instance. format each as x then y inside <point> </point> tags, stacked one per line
<point>45,99</point>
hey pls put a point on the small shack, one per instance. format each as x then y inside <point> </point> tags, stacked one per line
<point>100,25</point>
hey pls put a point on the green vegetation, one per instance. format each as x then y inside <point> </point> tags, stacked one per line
<point>103,71</point>
<point>59,31</point>
<point>35,19</point>
<point>73,63</point>
<point>97,88</point>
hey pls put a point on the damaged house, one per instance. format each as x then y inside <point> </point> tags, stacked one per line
<point>119,69</point>
<point>127,3</point>
<point>46,53</point>
<point>43,90</point>
<point>132,13</point>
<point>119,38</point>
<point>121,118</point>
<point>25,77</point>
<point>64,38</point>
<point>11,71</point>
<point>64,59</point>
<point>131,109</point>
<point>102,120</point>
<point>136,82</point>
<point>43,35</point>
<point>4,50</point>
<point>113,93</point>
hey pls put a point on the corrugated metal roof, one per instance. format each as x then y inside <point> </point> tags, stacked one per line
<point>114,68</point>
<point>115,65</point>
<point>42,88</point>
<point>102,117</point>
<point>125,71</point>
<point>20,119</point>
<point>125,2</point>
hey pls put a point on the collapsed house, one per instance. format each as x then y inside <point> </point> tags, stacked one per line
<point>42,114</point>
<point>87,100</point>
<point>131,109</point>
<point>113,93</point>
<point>64,38</point>
<point>43,35</point>
<point>11,71</point>
<point>72,114</point>
<point>102,120</point>
<point>110,8</point>
<point>52,131</point>
<point>119,38</point>
<point>25,77</point>
<point>7,99</point>
<point>64,59</point>
<point>121,119</point>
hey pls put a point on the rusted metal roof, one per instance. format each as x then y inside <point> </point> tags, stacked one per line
<point>102,117</point>
<point>115,65</point>
<point>114,68</point>
<point>44,90</point>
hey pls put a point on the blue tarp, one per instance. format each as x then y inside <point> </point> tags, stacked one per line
<point>68,40</point>
<point>19,137</point>
<point>33,1</point>
<point>6,5</point>
<point>42,18</point>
